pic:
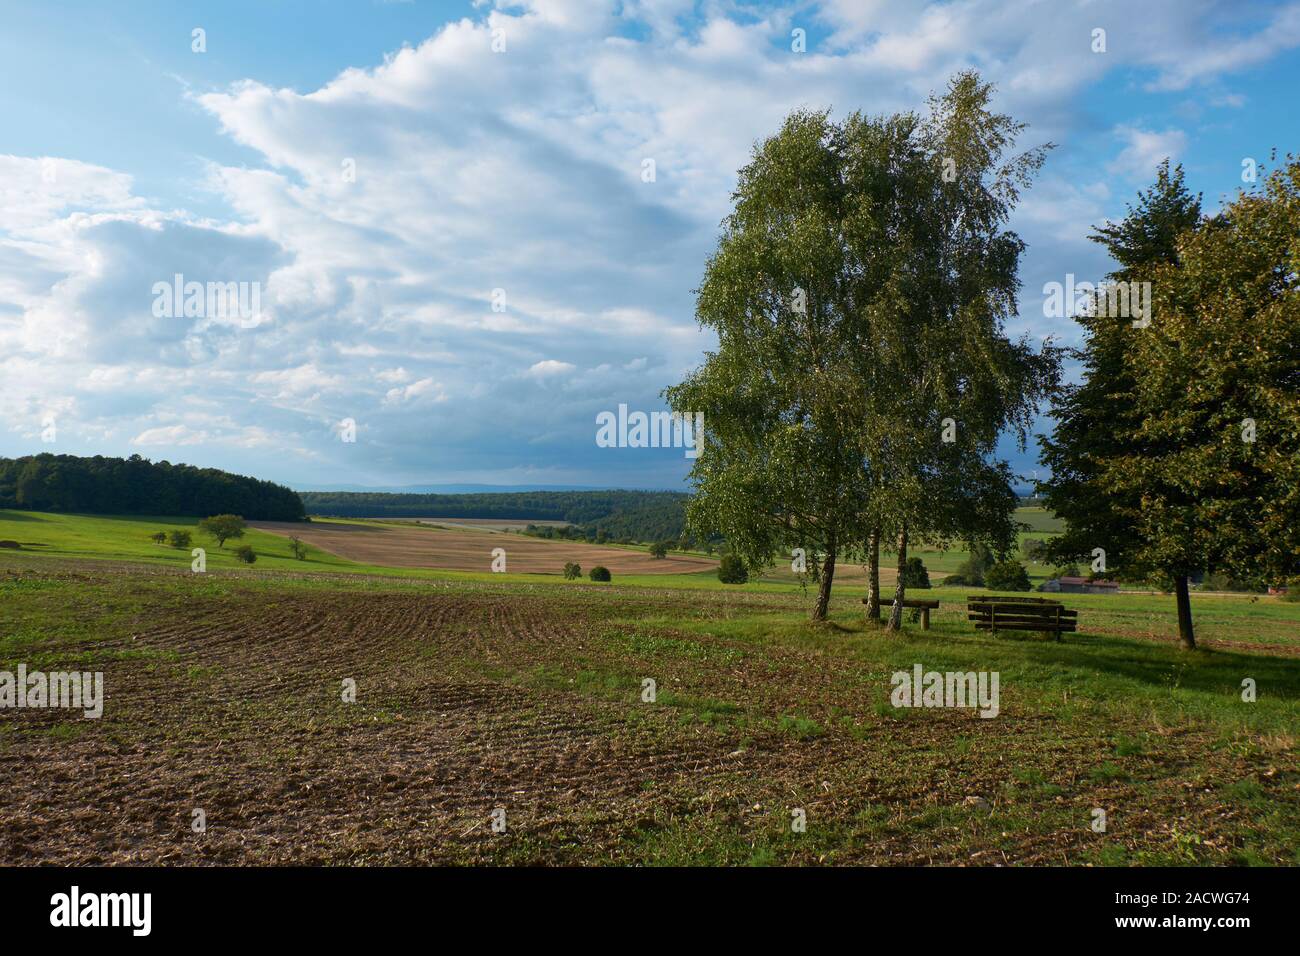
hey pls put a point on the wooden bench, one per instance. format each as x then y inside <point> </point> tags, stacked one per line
<point>995,612</point>
<point>925,607</point>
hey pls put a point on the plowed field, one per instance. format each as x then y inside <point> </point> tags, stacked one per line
<point>464,549</point>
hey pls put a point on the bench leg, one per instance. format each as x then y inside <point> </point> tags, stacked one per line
<point>925,618</point>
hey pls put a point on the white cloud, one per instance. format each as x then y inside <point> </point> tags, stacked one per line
<point>1144,150</point>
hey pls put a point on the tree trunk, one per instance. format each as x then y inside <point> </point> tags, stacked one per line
<point>873,576</point>
<point>896,613</point>
<point>824,588</point>
<point>1185,636</point>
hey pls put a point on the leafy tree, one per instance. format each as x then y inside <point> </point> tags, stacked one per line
<point>858,296</point>
<point>297,548</point>
<point>1203,467</point>
<point>158,537</point>
<point>916,574</point>
<point>599,573</point>
<point>1098,420</point>
<point>1008,575</point>
<point>223,528</point>
<point>732,570</point>
<point>659,549</point>
<point>246,554</point>
<point>179,539</point>
<point>572,571</point>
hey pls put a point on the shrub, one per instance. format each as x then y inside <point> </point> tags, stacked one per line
<point>223,527</point>
<point>1033,548</point>
<point>1008,575</point>
<point>955,581</point>
<point>179,539</point>
<point>599,573</point>
<point>14,545</point>
<point>298,549</point>
<point>246,554</point>
<point>732,570</point>
<point>158,537</point>
<point>915,575</point>
<point>572,571</point>
<point>659,549</point>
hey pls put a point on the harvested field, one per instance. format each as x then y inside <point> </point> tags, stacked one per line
<point>411,546</point>
<point>224,695</point>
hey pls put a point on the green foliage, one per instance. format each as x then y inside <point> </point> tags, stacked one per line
<point>158,537</point>
<point>1181,449</point>
<point>859,297</point>
<point>179,539</point>
<point>1008,575</point>
<point>915,574</point>
<point>223,527</point>
<point>599,573</point>
<point>598,516</point>
<point>660,549</point>
<point>246,554</point>
<point>297,548</point>
<point>134,486</point>
<point>732,570</point>
<point>1034,549</point>
<point>572,571</point>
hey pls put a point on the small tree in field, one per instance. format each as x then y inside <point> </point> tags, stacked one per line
<point>179,539</point>
<point>298,549</point>
<point>599,573</point>
<point>572,571</point>
<point>916,574</point>
<point>1008,575</point>
<point>223,528</point>
<point>659,549</point>
<point>732,570</point>
<point>158,537</point>
<point>245,554</point>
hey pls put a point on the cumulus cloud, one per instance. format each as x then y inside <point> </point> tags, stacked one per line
<point>443,239</point>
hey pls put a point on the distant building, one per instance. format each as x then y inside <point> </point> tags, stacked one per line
<point>1073,585</point>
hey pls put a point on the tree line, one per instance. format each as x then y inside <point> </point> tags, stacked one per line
<point>615,515</point>
<point>860,292</point>
<point>137,486</point>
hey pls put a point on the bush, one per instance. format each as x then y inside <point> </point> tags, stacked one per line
<point>1008,575</point>
<point>223,527</point>
<point>1033,548</point>
<point>659,549</point>
<point>158,537</point>
<point>915,575</point>
<point>956,581</point>
<point>572,571</point>
<point>732,570</point>
<point>14,545</point>
<point>246,554</point>
<point>298,549</point>
<point>599,573</point>
<point>179,539</point>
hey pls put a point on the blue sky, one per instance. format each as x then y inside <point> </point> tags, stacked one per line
<point>377,170</point>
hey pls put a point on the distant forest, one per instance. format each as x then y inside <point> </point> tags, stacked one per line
<point>615,515</point>
<point>137,486</point>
